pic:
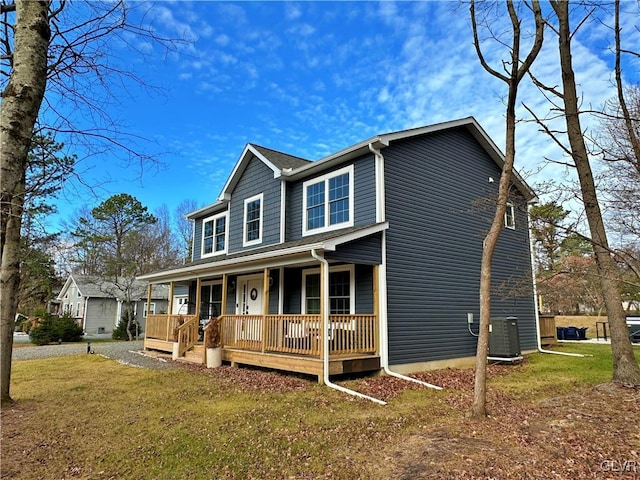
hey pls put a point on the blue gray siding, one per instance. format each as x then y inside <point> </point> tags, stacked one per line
<point>256,179</point>
<point>364,288</point>
<point>366,250</point>
<point>273,291</point>
<point>437,190</point>
<point>292,290</point>
<point>364,199</point>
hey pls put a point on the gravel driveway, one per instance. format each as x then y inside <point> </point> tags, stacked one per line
<point>127,353</point>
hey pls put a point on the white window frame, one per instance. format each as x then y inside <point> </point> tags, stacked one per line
<point>152,309</point>
<point>214,219</point>
<point>247,201</point>
<point>325,178</point>
<point>510,210</point>
<point>339,268</point>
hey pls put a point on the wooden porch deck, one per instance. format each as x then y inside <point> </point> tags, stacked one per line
<point>282,342</point>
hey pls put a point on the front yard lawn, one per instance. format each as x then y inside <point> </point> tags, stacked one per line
<point>87,417</point>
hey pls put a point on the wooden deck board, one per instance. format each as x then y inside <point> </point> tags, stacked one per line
<point>301,364</point>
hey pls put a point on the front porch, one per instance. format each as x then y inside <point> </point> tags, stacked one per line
<point>289,342</point>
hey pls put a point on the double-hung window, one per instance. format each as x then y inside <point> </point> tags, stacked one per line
<point>510,216</point>
<point>253,221</point>
<point>214,235</point>
<point>341,291</point>
<point>328,202</point>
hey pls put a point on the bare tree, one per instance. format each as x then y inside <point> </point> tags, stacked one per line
<point>21,100</point>
<point>512,72</point>
<point>625,365</point>
<point>48,45</point>
<point>184,226</point>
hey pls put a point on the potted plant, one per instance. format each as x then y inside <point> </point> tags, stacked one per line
<point>213,343</point>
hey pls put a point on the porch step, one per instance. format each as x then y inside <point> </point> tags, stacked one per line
<point>194,355</point>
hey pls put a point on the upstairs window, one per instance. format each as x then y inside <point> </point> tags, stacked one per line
<point>510,216</point>
<point>214,235</point>
<point>328,202</point>
<point>252,220</point>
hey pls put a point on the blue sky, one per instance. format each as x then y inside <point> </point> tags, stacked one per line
<point>310,78</point>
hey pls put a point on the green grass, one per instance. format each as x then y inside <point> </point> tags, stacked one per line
<point>547,374</point>
<point>89,417</point>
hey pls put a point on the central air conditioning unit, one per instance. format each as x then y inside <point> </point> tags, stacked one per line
<point>504,339</point>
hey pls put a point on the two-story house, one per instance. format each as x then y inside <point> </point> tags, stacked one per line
<point>369,257</point>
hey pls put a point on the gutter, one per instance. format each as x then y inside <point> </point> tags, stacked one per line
<point>325,334</point>
<point>535,302</point>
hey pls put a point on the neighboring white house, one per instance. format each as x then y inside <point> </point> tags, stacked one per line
<point>97,304</point>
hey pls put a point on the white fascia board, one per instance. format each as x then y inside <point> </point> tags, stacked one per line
<point>239,167</point>
<point>478,133</point>
<point>194,270</point>
<point>335,159</point>
<point>238,264</point>
<point>65,287</point>
<point>330,245</point>
<point>206,210</point>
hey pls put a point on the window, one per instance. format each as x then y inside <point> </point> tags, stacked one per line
<point>77,309</point>
<point>152,309</point>
<point>341,291</point>
<point>510,216</point>
<point>328,202</point>
<point>312,293</point>
<point>252,220</point>
<point>214,235</point>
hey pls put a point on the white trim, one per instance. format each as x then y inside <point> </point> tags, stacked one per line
<point>248,262</point>
<point>325,179</point>
<point>240,165</point>
<point>283,212</point>
<point>280,290</point>
<point>510,208</point>
<point>339,268</point>
<point>380,187</point>
<point>152,308</point>
<point>214,219</point>
<point>258,241</point>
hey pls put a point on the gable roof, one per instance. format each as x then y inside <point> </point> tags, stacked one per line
<point>282,160</point>
<point>97,287</point>
<point>384,140</point>
<point>290,167</point>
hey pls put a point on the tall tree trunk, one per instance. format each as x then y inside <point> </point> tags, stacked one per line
<point>625,366</point>
<point>21,101</point>
<point>517,69</point>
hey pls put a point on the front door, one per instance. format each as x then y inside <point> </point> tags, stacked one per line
<point>249,296</point>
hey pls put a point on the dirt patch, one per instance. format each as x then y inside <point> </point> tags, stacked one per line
<point>588,434</point>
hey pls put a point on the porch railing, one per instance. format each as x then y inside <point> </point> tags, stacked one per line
<point>187,334</point>
<point>161,327</point>
<point>292,334</point>
<point>300,334</point>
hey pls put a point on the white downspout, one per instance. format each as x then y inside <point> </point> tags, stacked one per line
<point>384,336</point>
<point>535,296</point>
<point>380,194</point>
<point>382,277</point>
<point>325,333</point>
